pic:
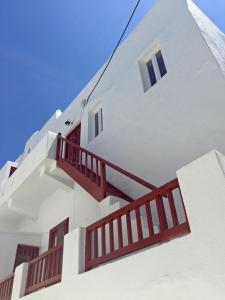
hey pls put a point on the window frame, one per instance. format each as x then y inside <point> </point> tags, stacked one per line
<point>95,122</point>
<point>143,66</point>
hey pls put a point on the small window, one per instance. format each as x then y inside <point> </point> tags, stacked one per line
<point>96,123</point>
<point>153,68</point>
<point>151,73</point>
<point>161,64</point>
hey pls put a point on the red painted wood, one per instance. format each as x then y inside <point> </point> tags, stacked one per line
<point>25,253</point>
<point>120,232</point>
<point>164,235</point>
<point>96,243</point>
<point>149,218</point>
<point>107,163</point>
<point>73,137</point>
<point>45,270</point>
<point>6,286</point>
<point>161,213</point>
<point>169,234</point>
<point>172,208</point>
<point>129,228</point>
<point>138,222</point>
<point>111,236</point>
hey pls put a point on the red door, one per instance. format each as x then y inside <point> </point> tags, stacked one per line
<point>24,254</point>
<point>72,154</point>
<point>56,234</point>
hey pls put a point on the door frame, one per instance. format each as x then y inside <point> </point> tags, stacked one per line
<point>52,231</point>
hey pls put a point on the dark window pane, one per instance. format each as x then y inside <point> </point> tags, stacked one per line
<point>101,120</point>
<point>96,125</point>
<point>61,234</point>
<point>161,64</point>
<point>151,73</point>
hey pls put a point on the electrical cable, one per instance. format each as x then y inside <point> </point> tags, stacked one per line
<point>114,51</point>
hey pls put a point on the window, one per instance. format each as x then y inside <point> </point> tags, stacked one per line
<point>153,68</point>
<point>161,64</point>
<point>56,234</point>
<point>96,123</point>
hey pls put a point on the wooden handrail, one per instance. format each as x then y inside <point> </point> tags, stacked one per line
<point>6,287</point>
<point>104,162</point>
<point>121,225</point>
<point>45,269</point>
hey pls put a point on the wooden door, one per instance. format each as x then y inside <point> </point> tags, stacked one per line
<point>72,154</point>
<point>56,234</point>
<point>25,253</point>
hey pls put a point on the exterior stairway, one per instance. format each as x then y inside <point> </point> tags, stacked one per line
<point>89,170</point>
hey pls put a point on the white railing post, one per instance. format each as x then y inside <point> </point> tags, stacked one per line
<point>73,254</point>
<point>20,279</point>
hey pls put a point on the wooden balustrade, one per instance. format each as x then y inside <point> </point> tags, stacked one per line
<point>91,165</point>
<point>6,287</point>
<point>152,219</point>
<point>45,270</point>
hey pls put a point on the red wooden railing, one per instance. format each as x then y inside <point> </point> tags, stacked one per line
<point>91,165</point>
<point>152,219</point>
<point>6,287</point>
<point>45,270</point>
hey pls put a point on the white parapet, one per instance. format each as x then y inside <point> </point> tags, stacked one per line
<point>19,284</point>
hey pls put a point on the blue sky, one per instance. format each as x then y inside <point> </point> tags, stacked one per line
<point>49,49</point>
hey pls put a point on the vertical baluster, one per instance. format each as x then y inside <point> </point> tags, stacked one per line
<point>129,229</point>
<point>149,219</point>
<point>103,179</point>
<point>81,157</point>
<point>88,246</point>
<point>96,243</point>
<point>120,232</point>
<point>86,164</point>
<point>36,272</point>
<point>111,236</point>
<point>92,168</point>
<point>103,240</point>
<point>3,289</point>
<point>28,283</point>
<point>40,271</point>
<point>76,157</point>
<point>50,265</point>
<point>172,208</point>
<point>97,175</point>
<point>56,262</point>
<point>182,201</point>
<point>53,262</point>
<point>161,213</point>
<point>60,260</point>
<point>138,222</point>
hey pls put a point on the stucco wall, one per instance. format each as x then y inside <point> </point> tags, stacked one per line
<point>213,36</point>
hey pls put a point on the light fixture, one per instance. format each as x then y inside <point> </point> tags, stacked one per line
<point>68,122</point>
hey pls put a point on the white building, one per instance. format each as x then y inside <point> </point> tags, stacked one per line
<point>159,109</point>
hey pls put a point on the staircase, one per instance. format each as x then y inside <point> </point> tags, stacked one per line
<point>89,170</point>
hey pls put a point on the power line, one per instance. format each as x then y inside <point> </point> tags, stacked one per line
<point>114,51</point>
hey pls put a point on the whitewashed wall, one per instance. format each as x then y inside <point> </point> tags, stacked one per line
<point>153,134</point>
